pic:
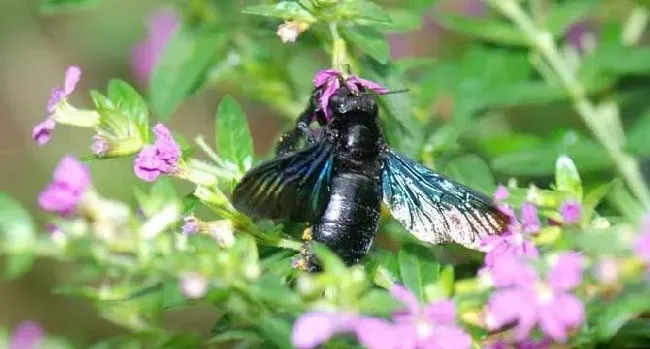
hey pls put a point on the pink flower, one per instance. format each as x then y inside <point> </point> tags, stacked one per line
<point>529,218</point>
<point>578,32</point>
<point>42,132</point>
<point>571,211</point>
<point>190,225</point>
<point>642,245</point>
<point>513,239</point>
<point>193,285</point>
<point>313,329</point>
<point>431,326</point>
<point>329,81</point>
<point>547,303</point>
<point>159,158</point>
<point>145,56</point>
<point>508,270</point>
<point>28,335</point>
<point>501,193</point>
<point>71,180</point>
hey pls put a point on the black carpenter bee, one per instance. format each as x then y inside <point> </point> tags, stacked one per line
<point>337,182</point>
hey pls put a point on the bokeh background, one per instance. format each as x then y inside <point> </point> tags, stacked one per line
<point>34,52</point>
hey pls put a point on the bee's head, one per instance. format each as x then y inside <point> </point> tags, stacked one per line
<point>345,102</point>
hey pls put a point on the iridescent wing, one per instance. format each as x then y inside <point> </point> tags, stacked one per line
<point>294,186</point>
<point>436,209</point>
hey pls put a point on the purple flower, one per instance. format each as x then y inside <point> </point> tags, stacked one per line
<point>547,303</point>
<point>190,225</point>
<point>145,56</point>
<point>28,335</point>
<point>501,193</point>
<point>508,270</point>
<point>529,218</point>
<point>571,211</point>
<point>315,328</point>
<point>100,145</point>
<point>42,132</point>
<point>71,180</point>
<point>329,81</point>
<point>431,326</point>
<point>159,158</point>
<point>578,32</point>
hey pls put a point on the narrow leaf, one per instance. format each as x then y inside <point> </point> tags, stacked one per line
<point>183,66</point>
<point>371,42</point>
<point>234,141</point>
<point>410,272</point>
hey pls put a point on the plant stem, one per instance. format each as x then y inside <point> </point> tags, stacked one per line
<point>594,119</point>
<point>339,51</point>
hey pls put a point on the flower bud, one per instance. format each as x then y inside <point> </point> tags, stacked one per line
<point>222,232</point>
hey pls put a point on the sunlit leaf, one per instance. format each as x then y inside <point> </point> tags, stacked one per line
<point>233,138</point>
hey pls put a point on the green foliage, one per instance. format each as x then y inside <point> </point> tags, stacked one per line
<point>514,99</point>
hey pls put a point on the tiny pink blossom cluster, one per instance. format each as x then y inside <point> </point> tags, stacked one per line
<point>70,181</point>
<point>42,132</point>
<point>330,81</point>
<point>159,158</point>
<point>417,327</point>
<point>27,335</point>
<point>522,296</point>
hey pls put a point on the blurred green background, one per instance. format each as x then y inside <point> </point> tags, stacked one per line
<point>35,51</point>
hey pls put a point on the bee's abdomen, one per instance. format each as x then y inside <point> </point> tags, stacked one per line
<point>351,219</point>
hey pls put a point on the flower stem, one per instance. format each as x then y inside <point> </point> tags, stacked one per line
<point>594,118</point>
<point>339,51</point>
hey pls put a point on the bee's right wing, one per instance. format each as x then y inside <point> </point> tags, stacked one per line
<point>436,209</point>
<point>294,186</point>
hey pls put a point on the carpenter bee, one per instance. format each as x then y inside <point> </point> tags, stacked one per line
<point>337,181</point>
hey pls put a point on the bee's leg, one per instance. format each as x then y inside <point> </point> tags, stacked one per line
<point>289,141</point>
<point>305,260</point>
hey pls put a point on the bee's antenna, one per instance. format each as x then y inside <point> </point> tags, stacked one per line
<point>371,92</point>
<point>395,92</point>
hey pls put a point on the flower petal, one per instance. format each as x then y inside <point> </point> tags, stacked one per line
<point>73,174</point>
<point>566,272</point>
<point>441,312</point>
<point>28,335</point>
<point>377,333</point>
<point>58,199</point>
<point>571,211</point>
<point>72,77</point>
<point>501,193</point>
<point>324,100</point>
<point>324,76</point>
<point>366,84</point>
<point>315,328</point>
<point>405,296</point>
<point>450,337</point>
<point>42,132</point>
<point>642,246</point>
<point>529,218</point>
<point>56,95</point>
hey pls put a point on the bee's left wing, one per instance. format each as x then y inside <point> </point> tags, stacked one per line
<point>436,209</point>
<point>293,186</point>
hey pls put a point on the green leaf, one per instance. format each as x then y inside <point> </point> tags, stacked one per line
<point>378,302</point>
<point>54,6</point>
<point>331,262</point>
<point>471,171</point>
<point>364,12</point>
<point>277,331</point>
<point>564,14</point>
<point>618,59</point>
<point>288,10</point>
<point>628,306</point>
<point>601,241</point>
<point>567,177</point>
<point>637,137</point>
<point>402,21</point>
<point>370,41</point>
<point>234,141</point>
<point>183,66</point>
<point>593,198</point>
<point>17,234</point>
<point>126,99</point>
<point>411,272</point>
<point>486,29</point>
<point>270,289</point>
<point>161,194</point>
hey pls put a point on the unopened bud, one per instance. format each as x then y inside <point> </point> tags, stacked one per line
<point>222,232</point>
<point>289,30</point>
